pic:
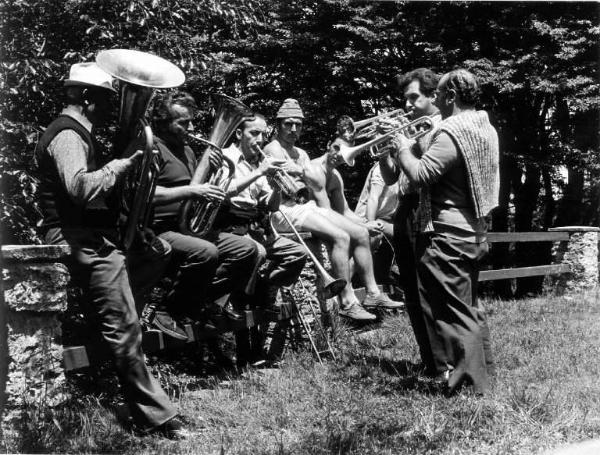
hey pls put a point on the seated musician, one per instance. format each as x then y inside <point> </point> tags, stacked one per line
<point>327,189</point>
<point>251,197</point>
<point>376,207</point>
<point>75,190</point>
<point>344,237</point>
<point>209,270</point>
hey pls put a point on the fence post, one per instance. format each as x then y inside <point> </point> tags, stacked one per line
<point>581,254</point>
<point>35,290</point>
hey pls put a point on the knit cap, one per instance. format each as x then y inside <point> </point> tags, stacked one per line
<point>290,108</point>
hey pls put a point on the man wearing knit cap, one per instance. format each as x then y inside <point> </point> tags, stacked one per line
<point>461,170</point>
<point>74,191</point>
<point>347,239</point>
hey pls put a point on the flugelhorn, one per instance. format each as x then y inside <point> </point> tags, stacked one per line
<point>331,286</point>
<point>139,74</point>
<point>229,115</point>
<point>290,187</point>
<point>411,130</point>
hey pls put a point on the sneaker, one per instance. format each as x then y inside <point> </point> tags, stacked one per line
<point>381,300</point>
<point>164,322</point>
<point>357,312</point>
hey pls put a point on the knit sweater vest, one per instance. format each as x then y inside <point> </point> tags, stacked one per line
<point>477,142</point>
<point>55,203</point>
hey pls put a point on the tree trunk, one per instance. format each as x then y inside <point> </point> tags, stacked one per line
<point>499,253</point>
<point>525,206</point>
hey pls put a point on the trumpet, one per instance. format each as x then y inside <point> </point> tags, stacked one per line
<point>411,130</point>
<point>367,128</point>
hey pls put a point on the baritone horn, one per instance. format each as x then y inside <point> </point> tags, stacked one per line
<point>411,130</point>
<point>196,217</point>
<point>139,75</point>
<point>204,214</point>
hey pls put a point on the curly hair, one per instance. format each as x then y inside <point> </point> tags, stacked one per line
<point>344,121</point>
<point>464,84</point>
<point>428,80</point>
<point>162,113</point>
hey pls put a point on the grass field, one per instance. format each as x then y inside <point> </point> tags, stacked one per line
<point>546,393</point>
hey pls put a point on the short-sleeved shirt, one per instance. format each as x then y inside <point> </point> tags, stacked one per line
<point>258,192</point>
<point>176,170</point>
<point>388,199</point>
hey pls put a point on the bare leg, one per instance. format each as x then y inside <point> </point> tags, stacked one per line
<point>360,245</point>
<point>339,243</point>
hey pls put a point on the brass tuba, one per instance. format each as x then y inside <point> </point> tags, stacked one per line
<point>196,217</point>
<point>139,74</point>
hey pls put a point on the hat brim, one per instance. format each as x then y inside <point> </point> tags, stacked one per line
<point>71,83</point>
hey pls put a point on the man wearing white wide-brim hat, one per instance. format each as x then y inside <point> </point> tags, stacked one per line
<point>74,192</point>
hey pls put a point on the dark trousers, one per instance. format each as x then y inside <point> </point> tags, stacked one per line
<point>208,269</point>
<point>101,268</point>
<point>286,260</point>
<point>447,271</point>
<point>404,244</point>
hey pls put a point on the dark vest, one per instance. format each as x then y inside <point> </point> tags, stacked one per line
<point>56,206</point>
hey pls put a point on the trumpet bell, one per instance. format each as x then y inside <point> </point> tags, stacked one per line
<point>140,68</point>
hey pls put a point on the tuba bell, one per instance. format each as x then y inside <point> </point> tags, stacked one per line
<point>139,75</point>
<point>196,217</point>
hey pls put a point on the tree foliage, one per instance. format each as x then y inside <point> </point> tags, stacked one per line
<point>537,64</point>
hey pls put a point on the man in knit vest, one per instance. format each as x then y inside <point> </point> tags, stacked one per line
<point>418,89</point>
<point>460,169</point>
<point>74,193</point>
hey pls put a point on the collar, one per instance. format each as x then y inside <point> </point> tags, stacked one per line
<point>234,153</point>
<point>72,112</point>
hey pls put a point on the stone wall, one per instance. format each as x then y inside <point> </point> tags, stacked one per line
<point>580,253</point>
<point>35,282</point>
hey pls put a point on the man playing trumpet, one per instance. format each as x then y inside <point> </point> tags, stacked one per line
<point>418,88</point>
<point>344,237</point>
<point>460,173</point>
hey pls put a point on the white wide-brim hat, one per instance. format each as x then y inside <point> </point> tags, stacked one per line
<point>89,74</point>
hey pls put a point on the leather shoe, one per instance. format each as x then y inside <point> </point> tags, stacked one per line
<point>169,325</point>
<point>231,313</point>
<point>172,429</point>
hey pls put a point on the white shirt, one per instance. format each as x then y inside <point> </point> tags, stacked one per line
<point>258,191</point>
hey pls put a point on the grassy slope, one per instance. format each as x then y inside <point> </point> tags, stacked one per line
<point>547,392</point>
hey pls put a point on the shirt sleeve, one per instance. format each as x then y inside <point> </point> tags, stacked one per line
<point>71,154</point>
<point>263,190</point>
<point>439,158</point>
<point>376,177</point>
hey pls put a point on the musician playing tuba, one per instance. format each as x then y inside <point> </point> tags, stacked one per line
<point>211,271</point>
<point>74,190</point>
<point>324,219</point>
